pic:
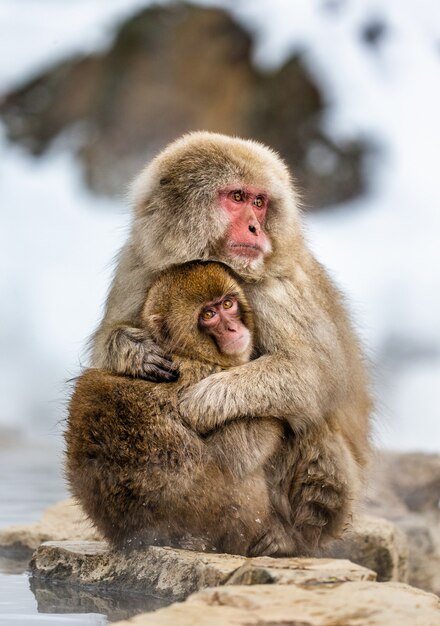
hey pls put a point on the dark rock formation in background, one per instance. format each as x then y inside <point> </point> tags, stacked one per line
<point>171,70</point>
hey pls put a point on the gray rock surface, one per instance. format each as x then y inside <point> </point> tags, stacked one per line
<point>423,535</point>
<point>377,544</point>
<point>405,489</point>
<point>316,604</point>
<point>174,573</point>
<point>373,543</point>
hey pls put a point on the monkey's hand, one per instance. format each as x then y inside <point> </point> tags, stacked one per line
<point>134,353</point>
<point>209,403</point>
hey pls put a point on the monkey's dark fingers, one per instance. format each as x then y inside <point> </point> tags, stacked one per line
<point>158,374</point>
<point>153,349</point>
<point>161,361</point>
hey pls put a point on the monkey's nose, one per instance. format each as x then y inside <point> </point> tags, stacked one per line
<point>253,229</point>
<point>232,326</point>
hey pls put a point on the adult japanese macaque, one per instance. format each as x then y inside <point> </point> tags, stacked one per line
<point>143,476</point>
<point>209,196</point>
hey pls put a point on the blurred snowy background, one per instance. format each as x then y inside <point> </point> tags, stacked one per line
<point>348,91</point>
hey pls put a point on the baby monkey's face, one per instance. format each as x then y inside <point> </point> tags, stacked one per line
<point>221,319</point>
<point>198,311</point>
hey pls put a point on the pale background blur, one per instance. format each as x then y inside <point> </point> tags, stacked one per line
<point>347,91</point>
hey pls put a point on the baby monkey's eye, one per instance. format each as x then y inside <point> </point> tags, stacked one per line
<point>238,195</point>
<point>227,303</point>
<point>208,314</point>
<point>259,201</point>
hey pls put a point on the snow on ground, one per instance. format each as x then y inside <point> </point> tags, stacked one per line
<point>383,249</point>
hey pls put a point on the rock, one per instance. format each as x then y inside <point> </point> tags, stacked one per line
<point>298,571</point>
<point>317,604</point>
<point>373,543</point>
<point>156,82</point>
<point>167,572</point>
<point>377,544</point>
<point>415,479</point>
<point>405,488</point>
<point>176,573</point>
<point>64,520</point>
<point>423,535</point>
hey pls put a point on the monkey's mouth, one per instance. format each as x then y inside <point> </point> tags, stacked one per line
<point>246,249</point>
<point>238,345</point>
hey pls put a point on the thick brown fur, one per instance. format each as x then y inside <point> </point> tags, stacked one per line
<point>309,369</point>
<point>142,475</point>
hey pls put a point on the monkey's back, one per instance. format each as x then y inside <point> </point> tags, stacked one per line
<point>138,472</point>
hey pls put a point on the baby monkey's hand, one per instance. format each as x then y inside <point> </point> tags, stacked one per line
<point>134,353</point>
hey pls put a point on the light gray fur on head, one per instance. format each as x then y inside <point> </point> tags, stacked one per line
<point>174,198</point>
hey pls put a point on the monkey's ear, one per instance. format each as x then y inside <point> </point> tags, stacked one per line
<point>158,327</point>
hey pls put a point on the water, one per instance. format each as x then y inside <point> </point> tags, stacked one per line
<point>19,606</point>
<point>30,480</point>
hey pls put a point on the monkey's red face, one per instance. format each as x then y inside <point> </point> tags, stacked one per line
<point>246,208</point>
<point>221,319</point>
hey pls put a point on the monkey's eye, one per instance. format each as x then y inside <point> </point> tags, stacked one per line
<point>227,303</point>
<point>238,195</point>
<point>207,315</point>
<point>259,202</point>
